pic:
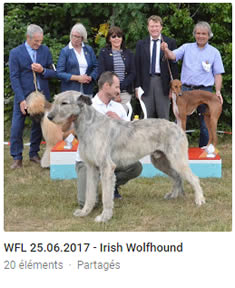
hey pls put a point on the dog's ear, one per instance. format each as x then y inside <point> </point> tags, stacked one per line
<point>84,99</point>
<point>37,117</point>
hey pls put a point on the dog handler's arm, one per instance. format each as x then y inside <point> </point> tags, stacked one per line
<point>37,67</point>
<point>23,107</point>
<point>113,115</point>
<point>218,85</point>
<point>168,53</point>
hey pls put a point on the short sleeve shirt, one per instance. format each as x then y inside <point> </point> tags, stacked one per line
<point>200,65</point>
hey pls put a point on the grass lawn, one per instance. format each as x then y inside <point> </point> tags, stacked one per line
<point>34,202</point>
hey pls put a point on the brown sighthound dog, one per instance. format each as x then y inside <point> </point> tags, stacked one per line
<point>184,103</point>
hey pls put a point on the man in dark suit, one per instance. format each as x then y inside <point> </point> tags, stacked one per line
<point>152,73</point>
<point>24,59</point>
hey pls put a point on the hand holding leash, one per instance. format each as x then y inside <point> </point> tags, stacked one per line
<point>36,67</point>
<point>220,97</point>
<point>23,107</point>
<point>164,46</point>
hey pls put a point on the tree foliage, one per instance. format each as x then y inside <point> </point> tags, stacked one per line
<point>57,19</point>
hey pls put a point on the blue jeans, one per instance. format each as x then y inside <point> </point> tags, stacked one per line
<point>16,139</point>
<point>204,135</point>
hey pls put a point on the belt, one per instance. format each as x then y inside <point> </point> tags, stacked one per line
<point>196,87</point>
<point>156,74</point>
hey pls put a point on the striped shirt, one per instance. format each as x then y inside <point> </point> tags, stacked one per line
<point>118,64</point>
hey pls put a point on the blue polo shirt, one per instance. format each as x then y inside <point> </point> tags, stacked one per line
<point>200,65</point>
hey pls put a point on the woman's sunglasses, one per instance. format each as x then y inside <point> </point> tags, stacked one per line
<point>114,36</point>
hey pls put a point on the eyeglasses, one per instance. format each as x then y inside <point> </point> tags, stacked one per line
<point>77,37</point>
<point>116,36</point>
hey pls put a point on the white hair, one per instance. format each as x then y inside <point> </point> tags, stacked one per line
<point>79,28</point>
<point>204,25</point>
<point>33,29</point>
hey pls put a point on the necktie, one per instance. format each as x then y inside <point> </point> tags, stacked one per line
<point>34,61</point>
<point>154,53</point>
<point>34,55</point>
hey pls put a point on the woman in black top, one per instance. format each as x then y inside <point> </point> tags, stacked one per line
<point>116,58</point>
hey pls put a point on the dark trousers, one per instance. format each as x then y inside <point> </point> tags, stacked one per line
<point>16,139</point>
<point>204,135</point>
<point>123,175</point>
<point>156,102</point>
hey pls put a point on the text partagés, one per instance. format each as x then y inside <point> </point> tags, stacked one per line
<point>98,265</point>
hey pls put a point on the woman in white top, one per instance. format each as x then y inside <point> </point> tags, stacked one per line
<point>77,63</point>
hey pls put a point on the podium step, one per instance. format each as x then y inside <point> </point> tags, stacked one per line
<point>62,163</point>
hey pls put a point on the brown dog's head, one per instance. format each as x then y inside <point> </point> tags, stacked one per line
<point>176,87</point>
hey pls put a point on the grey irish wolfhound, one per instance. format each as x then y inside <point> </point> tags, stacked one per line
<point>105,144</point>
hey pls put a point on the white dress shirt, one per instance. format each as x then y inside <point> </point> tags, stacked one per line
<point>81,59</point>
<point>157,67</point>
<point>111,106</point>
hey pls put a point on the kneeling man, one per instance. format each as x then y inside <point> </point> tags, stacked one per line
<point>109,89</point>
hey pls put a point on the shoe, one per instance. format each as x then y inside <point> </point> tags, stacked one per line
<point>17,164</point>
<point>116,194</point>
<point>35,159</point>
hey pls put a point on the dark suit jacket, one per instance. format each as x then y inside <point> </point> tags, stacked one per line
<point>142,60</point>
<point>105,63</point>
<point>68,65</point>
<point>21,74</point>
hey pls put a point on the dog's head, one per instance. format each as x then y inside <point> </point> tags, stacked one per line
<point>67,105</point>
<point>176,86</point>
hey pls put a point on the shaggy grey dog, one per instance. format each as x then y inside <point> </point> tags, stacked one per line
<point>109,143</point>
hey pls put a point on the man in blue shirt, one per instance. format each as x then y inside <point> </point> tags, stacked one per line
<point>201,68</point>
<point>24,59</point>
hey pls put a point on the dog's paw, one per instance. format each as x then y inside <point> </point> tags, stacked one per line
<point>105,216</point>
<point>200,200</point>
<point>80,213</point>
<point>77,213</point>
<point>171,195</point>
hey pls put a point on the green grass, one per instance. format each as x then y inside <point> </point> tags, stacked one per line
<point>34,202</point>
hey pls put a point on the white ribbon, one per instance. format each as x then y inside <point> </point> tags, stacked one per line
<point>140,93</point>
